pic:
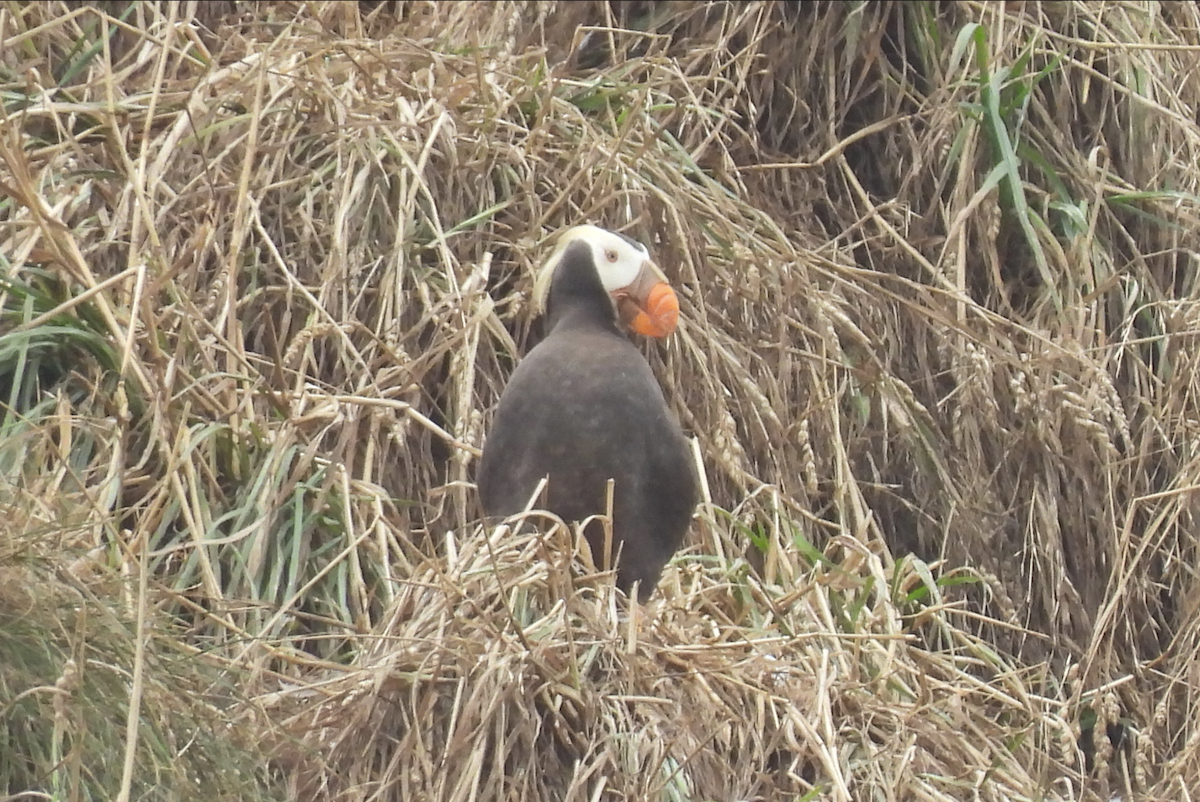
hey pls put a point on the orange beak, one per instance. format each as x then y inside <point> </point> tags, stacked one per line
<point>649,306</point>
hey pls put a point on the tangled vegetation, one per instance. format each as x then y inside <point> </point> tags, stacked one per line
<point>265,268</point>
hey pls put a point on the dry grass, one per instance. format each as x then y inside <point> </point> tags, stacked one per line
<point>265,276</point>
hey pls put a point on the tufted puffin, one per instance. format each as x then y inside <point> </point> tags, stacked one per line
<point>583,407</point>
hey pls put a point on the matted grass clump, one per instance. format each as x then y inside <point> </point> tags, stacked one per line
<point>266,269</point>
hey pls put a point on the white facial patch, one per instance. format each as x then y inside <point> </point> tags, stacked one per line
<point>617,259</point>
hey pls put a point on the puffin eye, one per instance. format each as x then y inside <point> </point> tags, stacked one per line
<point>610,255</point>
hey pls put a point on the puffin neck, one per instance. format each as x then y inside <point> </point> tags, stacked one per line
<point>576,295</point>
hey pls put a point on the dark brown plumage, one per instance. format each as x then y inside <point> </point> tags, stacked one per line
<point>584,407</point>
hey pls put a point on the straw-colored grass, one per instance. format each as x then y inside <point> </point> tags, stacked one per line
<point>266,268</point>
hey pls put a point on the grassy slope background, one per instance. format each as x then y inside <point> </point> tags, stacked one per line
<point>266,267</point>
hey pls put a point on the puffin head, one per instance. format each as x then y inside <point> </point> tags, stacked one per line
<point>593,266</point>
